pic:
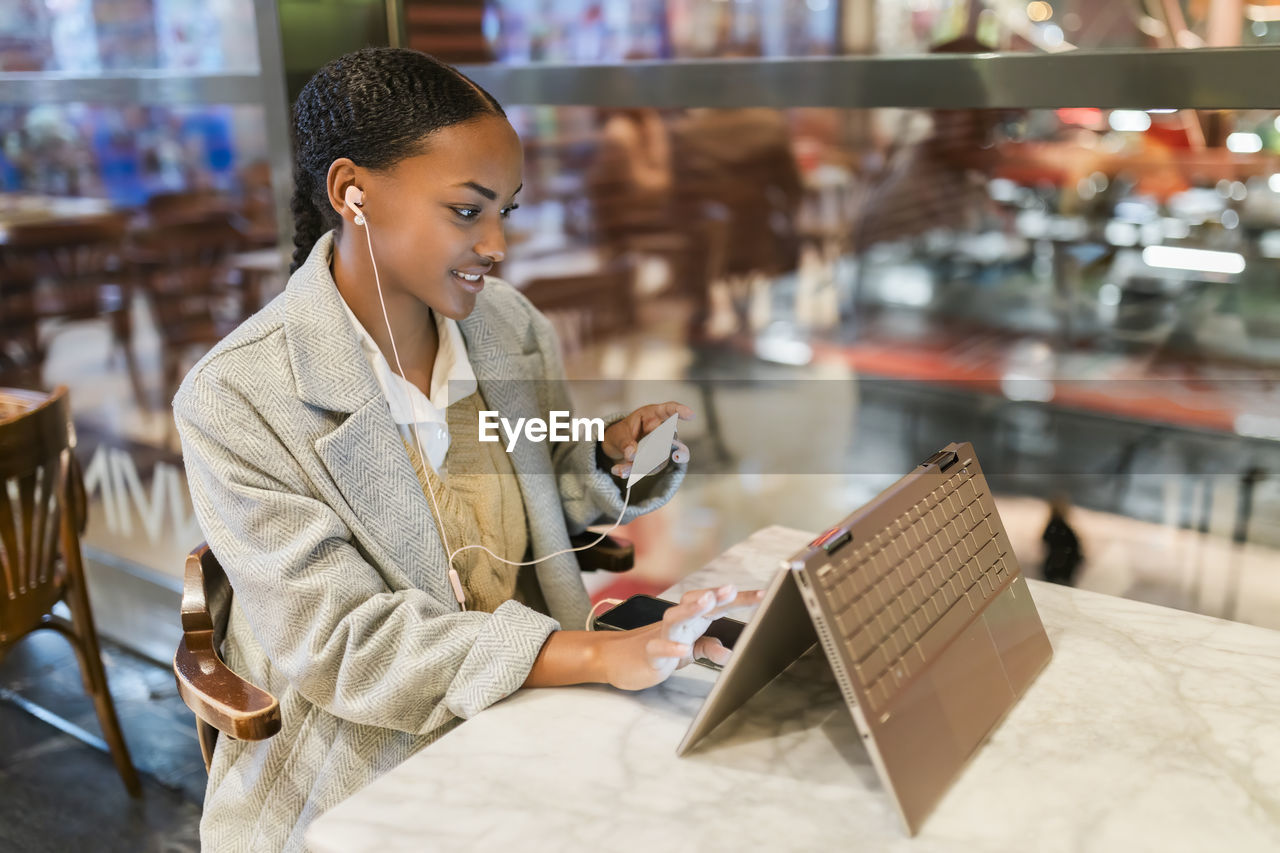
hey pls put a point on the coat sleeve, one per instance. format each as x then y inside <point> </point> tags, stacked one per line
<point>589,494</point>
<point>324,616</point>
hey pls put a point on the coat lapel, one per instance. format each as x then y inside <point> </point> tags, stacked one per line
<point>508,365</point>
<point>363,455</point>
<point>506,374</point>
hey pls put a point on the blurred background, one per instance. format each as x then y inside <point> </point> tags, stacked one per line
<point>866,229</point>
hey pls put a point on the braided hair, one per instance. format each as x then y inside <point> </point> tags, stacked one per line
<point>374,106</point>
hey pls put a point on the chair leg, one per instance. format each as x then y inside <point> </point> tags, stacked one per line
<point>122,337</point>
<point>712,419</point>
<point>85,641</point>
<point>208,737</point>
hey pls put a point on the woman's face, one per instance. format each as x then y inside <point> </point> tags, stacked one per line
<point>436,219</point>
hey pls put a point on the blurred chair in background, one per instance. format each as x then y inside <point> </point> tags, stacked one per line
<point>735,179</point>
<point>21,355</point>
<point>587,307</point>
<point>257,206</point>
<point>42,514</point>
<point>73,271</point>
<point>182,266</point>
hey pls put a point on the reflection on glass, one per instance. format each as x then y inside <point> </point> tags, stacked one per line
<point>1087,291</point>
<point>86,37</point>
<point>594,31</point>
<point>131,240</point>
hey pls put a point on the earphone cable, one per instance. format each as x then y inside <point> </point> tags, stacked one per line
<point>454,580</point>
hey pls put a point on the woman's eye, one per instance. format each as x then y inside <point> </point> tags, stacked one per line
<point>466,212</point>
<point>506,211</point>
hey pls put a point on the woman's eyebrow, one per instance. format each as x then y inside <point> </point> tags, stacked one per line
<point>483,190</point>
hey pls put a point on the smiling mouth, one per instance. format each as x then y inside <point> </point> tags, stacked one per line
<point>467,277</point>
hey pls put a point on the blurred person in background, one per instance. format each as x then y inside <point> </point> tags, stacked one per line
<point>1062,547</point>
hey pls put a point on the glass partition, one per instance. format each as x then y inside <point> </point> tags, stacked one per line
<point>95,36</point>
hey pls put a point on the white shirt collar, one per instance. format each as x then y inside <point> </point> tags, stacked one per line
<point>452,377</point>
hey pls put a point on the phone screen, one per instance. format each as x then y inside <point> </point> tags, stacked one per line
<point>640,610</point>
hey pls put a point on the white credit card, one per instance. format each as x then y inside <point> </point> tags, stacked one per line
<point>653,450</point>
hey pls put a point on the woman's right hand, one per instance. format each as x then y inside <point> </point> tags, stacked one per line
<point>634,660</point>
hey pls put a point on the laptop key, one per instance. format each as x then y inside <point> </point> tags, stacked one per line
<point>988,555</point>
<point>970,572</point>
<point>860,644</point>
<point>943,631</point>
<point>879,694</point>
<point>897,675</point>
<point>862,610</point>
<point>895,611</point>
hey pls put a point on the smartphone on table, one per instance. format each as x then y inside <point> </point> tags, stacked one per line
<point>640,610</point>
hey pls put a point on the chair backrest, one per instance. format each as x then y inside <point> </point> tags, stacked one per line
<point>183,268</point>
<point>221,700</point>
<point>584,308</point>
<point>35,527</point>
<point>78,255</point>
<point>189,206</point>
<point>206,595</point>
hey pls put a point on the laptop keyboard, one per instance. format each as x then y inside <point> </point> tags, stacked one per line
<point>937,563</point>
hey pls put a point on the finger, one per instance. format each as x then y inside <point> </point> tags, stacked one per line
<point>680,452</point>
<point>749,598</point>
<point>660,647</point>
<point>653,416</point>
<point>671,407</point>
<point>710,648</point>
<point>692,604</point>
<point>621,471</point>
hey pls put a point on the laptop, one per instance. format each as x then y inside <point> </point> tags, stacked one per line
<point>924,616</point>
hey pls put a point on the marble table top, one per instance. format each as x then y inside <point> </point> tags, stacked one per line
<point>1151,729</point>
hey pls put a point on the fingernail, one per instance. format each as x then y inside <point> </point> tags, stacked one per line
<point>630,454</point>
<point>707,598</point>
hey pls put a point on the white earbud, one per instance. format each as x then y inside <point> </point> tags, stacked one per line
<point>354,197</point>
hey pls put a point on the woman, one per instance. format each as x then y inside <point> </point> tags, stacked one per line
<point>332,449</point>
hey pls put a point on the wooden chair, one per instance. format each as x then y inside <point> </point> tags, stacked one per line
<point>21,355</point>
<point>587,307</point>
<point>223,701</point>
<point>183,270</point>
<point>42,512</point>
<point>75,271</point>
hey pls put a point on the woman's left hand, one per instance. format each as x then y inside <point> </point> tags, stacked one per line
<point>622,438</point>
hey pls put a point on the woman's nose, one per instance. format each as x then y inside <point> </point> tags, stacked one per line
<point>493,246</point>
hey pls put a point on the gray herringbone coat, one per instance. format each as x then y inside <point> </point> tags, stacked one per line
<point>342,607</point>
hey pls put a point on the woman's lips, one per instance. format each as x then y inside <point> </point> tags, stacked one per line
<point>470,282</point>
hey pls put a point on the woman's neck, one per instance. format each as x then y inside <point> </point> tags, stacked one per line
<point>412,325</point>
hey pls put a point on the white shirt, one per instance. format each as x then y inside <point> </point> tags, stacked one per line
<point>452,379</point>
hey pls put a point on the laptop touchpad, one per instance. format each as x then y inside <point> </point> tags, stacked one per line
<point>971,685</point>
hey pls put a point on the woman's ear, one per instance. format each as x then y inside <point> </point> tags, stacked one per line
<point>343,175</point>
